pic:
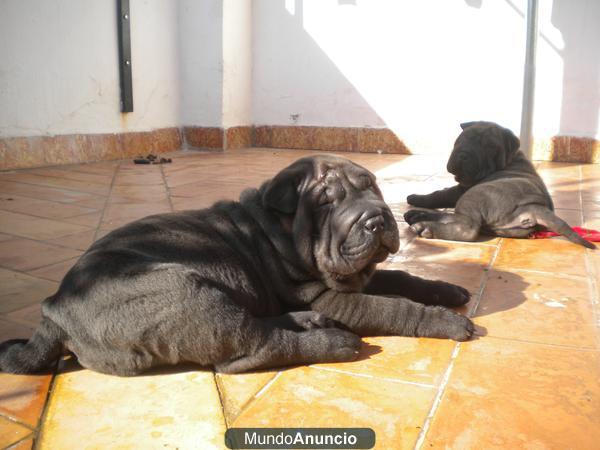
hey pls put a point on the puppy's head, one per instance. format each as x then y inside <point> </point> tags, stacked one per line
<point>340,224</point>
<point>480,150</point>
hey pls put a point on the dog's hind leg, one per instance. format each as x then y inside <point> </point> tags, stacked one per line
<point>35,354</point>
<point>281,347</point>
<point>455,227</point>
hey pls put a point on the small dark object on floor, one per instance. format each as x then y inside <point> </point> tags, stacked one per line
<point>151,159</point>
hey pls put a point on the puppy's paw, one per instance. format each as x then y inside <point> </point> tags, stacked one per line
<point>414,215</point>
<point>422,229</point>
<point>417,200</point>
<point>340,345</point>
<point>448,294</point>
<point>462,328</point>
<point>441,322</point>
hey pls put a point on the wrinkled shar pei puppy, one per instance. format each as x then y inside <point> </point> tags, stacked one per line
<point>286,275</point>
<point>499,193</point>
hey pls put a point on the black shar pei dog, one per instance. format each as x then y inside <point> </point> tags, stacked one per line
<point>499,193</point>
<point>284,276</point>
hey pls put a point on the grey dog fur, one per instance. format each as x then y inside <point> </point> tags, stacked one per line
<point>499,192</point>
<point>284,276</point>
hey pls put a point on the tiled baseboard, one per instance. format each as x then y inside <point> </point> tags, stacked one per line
<point>369,140</point>
<point>340,139</point>
<point>567,149</point>
<point>35,151</point>
<point>215,138</point>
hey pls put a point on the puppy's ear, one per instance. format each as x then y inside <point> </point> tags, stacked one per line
<point>511,142</point>
<point>282,192</point>
<point>466,125</point>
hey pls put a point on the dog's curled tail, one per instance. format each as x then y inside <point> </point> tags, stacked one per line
<point>554,223</point>
<point>33,355</point>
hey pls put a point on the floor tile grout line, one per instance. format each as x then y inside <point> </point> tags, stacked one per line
<point>45,186</point>
<point>44,414</point>
<point>566,276</point>
<point>266,387</point>
<point>438,398</point>
<point>75,167</point>
<point>26,272</point>
<point>591,279</point>
<point>248,402</point>
<point>374,377</point>
<point>27,195</point>
<point>75,258</point>
<point>45,241</point>
<point>546,344</point>
<point>255,397</point>
<point>473,310</point>
<point>17,421</point>
<point>57,219</point>
<point>54,177</point>
<point>20,441</point>
<point>47,218</point>
<point>221,396</point>
<point>446,378</point>
<point>167,188</point>
<point>106,202</point>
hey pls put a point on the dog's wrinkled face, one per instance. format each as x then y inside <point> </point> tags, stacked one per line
<point>480,150</point>
<point>341,225</point>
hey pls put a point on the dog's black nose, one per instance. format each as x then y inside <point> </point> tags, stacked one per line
<point>375,224</point>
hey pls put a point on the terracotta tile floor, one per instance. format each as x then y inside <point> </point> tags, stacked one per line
<point>532,382</point>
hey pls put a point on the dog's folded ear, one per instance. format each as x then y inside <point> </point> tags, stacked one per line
<point>282,192</point>
<point>511,142</point>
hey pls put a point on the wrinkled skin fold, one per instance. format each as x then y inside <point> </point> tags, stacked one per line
<point>286,275</point>
<point>499,192</point>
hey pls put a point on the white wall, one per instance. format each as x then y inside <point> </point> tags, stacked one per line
<point>417,67</point>
<point>200,33</point>
<point>59,67</point>
<point>237,62</point>
<point>567,95</point>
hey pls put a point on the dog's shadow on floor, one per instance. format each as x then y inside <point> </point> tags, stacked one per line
<point>492,289</point>
<point>69,364</point>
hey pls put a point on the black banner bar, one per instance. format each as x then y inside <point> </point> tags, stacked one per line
<point>303,438</point>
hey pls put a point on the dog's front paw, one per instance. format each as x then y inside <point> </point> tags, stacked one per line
<point>448,294</point>
<point>441,322</point>
<point>422,229</point>
<point>414,215</point>
<point>339,345</point>
<point>417,200</point>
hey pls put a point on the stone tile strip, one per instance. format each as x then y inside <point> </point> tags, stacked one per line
<point>36,151</point>
<point>567,149</point>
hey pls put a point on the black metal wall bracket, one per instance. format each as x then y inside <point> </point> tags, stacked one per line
<point>125,55</point>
